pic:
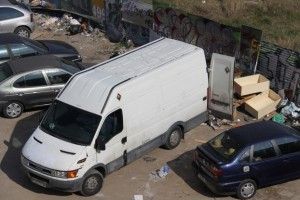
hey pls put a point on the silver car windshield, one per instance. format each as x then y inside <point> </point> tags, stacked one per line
<point>70,123</point>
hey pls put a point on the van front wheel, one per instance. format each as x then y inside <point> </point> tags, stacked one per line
<point>92,184</point>
<point>174,138</point>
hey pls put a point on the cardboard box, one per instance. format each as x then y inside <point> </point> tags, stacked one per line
<point>262,104</point>
<point>251,84</point>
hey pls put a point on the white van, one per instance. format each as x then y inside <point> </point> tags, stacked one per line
<point>113,113</point>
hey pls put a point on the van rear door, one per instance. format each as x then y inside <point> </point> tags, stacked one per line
<point>220,90</point>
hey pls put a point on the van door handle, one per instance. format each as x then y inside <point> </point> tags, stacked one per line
<point>57,90</point>
<point>124,140</point>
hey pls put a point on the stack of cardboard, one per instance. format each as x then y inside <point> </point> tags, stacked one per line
<point>263,100</point>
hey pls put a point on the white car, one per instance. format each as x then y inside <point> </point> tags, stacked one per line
<point>16,18</point>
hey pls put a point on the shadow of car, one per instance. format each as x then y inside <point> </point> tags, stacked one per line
<point>32,82</point>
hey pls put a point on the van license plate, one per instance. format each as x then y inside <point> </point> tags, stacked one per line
<point>38,182</point>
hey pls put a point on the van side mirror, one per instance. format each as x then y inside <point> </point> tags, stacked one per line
<point>99,145</point>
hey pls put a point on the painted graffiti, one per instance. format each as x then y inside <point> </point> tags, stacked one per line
<point>113,20</point>
<point>119,29</point>
<point>281,66</point>
<point>209,35</point>
<point>249,48</point>
<point>138,12</point>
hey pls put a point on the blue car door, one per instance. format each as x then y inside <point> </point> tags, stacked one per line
<point>290,155</point>
<point>265,163</point>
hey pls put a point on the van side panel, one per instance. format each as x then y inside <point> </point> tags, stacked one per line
<point>155,101</point>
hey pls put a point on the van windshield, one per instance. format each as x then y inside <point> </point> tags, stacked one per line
<point>225,145</point>
<point>70,123</point>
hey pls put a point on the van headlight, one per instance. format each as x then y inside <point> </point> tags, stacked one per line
<point>59,174</point>
<point>65,174</point>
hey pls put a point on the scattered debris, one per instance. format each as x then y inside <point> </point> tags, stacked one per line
<point>138,197</point>
<point>279,118</point>
<point>290,109</point>
<point>160,173</point>
<point>66,23</point>
<point>217,123</point>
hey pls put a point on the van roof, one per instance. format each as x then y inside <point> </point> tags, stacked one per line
<point>89,89</point>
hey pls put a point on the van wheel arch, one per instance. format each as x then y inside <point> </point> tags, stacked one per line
<point>180,125</point>
<point>102,170</point>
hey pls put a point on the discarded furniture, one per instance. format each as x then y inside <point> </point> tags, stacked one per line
<point>262,104</point>
<point>251,84</point>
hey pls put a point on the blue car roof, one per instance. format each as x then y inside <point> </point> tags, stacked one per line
<point>249,134</point>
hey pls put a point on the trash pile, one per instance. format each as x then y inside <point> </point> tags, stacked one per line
<point>160,174</point>
<point>66,23</point>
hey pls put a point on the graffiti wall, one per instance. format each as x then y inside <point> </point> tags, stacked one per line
<point>93,8</point>
<point>139,12</point>
<point>249,48</point>
<point>128,20</point>
<point>209,35</point>
<point>282,67</point>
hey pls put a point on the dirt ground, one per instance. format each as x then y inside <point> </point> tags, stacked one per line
<point>180,183</point>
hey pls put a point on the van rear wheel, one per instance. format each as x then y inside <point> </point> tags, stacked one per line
<point>92,184</point>
<point>174,138</point>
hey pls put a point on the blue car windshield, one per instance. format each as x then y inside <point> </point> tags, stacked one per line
<point>70,123</point>
<point>225,146</point>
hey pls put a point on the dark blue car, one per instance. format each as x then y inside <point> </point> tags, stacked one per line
<point>240,160</point>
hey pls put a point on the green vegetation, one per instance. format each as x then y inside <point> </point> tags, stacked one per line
<point>279,19</point>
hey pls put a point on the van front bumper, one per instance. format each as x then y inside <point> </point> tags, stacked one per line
<point>53,182</point>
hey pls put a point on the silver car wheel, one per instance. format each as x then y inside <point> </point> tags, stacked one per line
<point>175,137</point>
<point>13,110</point>
<point>247,190</point>
<point>23,33</point>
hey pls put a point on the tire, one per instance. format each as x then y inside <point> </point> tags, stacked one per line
<point>92,184</point>
<point>246,189</point>
<point>13,109</point>
<point>173,138</point>
<point>22,31</point>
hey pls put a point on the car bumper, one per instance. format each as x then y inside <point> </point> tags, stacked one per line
<point>228,188</point>
<point>52,182</point>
